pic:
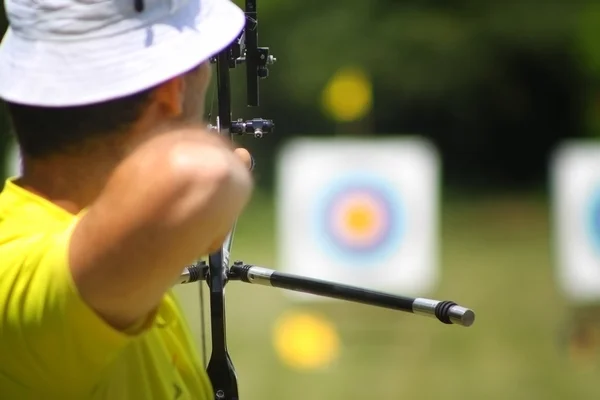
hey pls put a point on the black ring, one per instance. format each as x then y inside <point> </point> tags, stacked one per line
<point>442,311</point>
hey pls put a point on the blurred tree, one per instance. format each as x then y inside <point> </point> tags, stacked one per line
<point>495,85</point>
<point>587,49</point>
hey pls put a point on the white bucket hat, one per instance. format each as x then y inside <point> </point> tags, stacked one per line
<point>59,53</point>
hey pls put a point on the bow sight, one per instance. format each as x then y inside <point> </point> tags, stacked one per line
<point>257,59</point>
<point>217,272</point>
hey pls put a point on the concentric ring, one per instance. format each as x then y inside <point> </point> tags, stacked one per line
<point>593,220</point>
<point>359,219</point>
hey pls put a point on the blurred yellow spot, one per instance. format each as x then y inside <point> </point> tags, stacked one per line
<point>305,341</point>
<point>359,219</point>
<point>348,95</point>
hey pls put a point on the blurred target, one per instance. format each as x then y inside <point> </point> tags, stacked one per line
<point>359,212</point>
<point>575,177</point>
<point>12,161</point>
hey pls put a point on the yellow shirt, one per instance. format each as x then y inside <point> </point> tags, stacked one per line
<point>53,346</point>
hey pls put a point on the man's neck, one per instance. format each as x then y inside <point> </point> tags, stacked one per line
<point>72,183</point>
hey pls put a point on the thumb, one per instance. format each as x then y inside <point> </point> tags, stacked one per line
<point>246,157</point>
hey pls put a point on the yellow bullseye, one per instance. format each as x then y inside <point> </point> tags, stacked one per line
<point>360,219</point>
<point>306,341</point>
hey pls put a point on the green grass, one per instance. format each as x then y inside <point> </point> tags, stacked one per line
<point>495,258</point>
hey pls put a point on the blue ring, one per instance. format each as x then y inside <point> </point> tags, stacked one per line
<point>388,210</point>
<point>593,220</point>
<point>390,241</point>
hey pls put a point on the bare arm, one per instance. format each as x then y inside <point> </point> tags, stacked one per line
<point>164,206</point>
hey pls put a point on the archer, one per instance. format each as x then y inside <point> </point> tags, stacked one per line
<point>121,186</point>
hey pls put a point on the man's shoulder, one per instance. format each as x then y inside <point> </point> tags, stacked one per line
<point>33,231</point>
<point>25,215</point>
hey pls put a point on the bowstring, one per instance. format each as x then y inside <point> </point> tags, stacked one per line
<point>202,322</point>
<point>201,282</point>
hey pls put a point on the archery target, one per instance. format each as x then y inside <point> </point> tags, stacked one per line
<point>575,172</point>
<point>360,212</point>
<point>12,163</point>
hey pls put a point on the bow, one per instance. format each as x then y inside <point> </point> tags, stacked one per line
<point>244,49</point>
<point>217,272</point>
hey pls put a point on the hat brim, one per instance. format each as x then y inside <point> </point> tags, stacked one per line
<point>74,73</point>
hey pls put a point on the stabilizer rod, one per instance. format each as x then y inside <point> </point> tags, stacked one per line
<point>447,312</point>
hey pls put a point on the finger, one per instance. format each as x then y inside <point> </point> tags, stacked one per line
<point>246,157</point>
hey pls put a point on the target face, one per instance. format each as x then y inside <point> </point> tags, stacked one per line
<point>359,212</point>
<point>12,166</point>
<point>575,174</point>
<point>358,219</point>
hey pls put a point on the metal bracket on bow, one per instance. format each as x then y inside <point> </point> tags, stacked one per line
<point>244,50</point>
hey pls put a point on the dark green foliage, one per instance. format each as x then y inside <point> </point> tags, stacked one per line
<point>479,78</point>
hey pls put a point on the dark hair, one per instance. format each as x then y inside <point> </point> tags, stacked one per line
<point>44,131</point>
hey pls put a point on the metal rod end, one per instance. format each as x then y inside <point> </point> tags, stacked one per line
<point>461,316</point>
<point>447,312</point>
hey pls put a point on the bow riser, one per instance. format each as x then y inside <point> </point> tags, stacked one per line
<point>244,49</point>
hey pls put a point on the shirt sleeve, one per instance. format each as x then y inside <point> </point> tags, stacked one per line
<point>57,340</point>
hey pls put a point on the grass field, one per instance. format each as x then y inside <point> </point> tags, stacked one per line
<point>496,258</point>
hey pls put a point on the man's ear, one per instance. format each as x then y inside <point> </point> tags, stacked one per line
<point>169,97</point>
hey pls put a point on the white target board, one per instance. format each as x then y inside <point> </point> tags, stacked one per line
<point>575,174</point>
<point>362,212</point>
<point>12,166</point>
